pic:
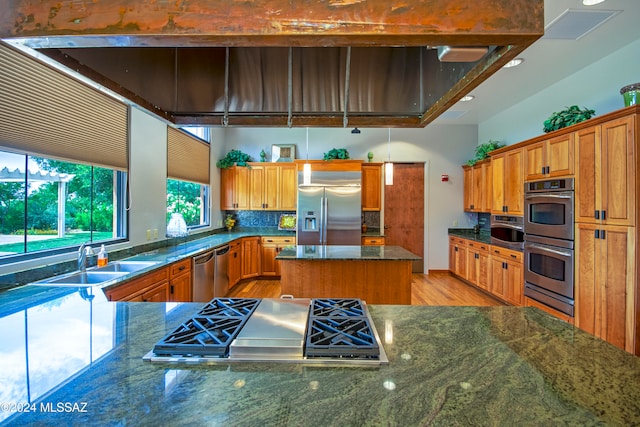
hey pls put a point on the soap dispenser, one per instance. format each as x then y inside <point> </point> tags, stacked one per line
<point>103,257</point>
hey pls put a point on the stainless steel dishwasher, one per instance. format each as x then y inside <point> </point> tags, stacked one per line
<point>203,276</point>
<point>221,277</point>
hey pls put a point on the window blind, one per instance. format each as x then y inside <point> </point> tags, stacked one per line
<point>47,113</point>
<point>187,157</point>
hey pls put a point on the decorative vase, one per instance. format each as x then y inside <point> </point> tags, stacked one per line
<point>370,156</point>
<point>263,156</point>
<point>631,94</point>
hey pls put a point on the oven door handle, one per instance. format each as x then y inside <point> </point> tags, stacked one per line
<point>547,249</point>
<point>562,195</point>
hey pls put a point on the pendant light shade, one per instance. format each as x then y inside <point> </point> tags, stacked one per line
<point>306,170</point>
<point>388,167</point>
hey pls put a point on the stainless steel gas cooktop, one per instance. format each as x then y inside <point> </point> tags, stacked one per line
<point>310,331</point>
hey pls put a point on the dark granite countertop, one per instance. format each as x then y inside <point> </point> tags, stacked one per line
<point>173,253</point>
<point>468,233</point>
<point>77,360</point>
<point>343,253</point>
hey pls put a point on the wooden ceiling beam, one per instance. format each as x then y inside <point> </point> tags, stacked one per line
<point>103,23</point>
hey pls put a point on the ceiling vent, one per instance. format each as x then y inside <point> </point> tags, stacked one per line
<point>573,24</point>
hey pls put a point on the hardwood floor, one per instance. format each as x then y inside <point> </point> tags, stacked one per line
<point>435,288</point>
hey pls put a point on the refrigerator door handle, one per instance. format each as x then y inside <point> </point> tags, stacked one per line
<point>326,219</point>
<point>321,226</point>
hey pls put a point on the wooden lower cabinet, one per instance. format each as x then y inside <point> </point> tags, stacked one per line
<point>235,262</point>
<point>458,256</point>
<point>180,281</point>
<point>478,264</point>
<point>528,302</point>
<point>251,257</point>
<point>507,275</point>
<point>605,283</point>
<point>494,269</point>
<point>271,246</point>
<point>152,287</point>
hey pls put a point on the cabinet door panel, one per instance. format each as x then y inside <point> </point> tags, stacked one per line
<point>468,188</point>
<point>288,190</point>
<point>514,183</point>
<point>618,184</point>
<point>371,187</point>
<point>560,155</point>
<point>497,166</point>
<point>587,174</point>
<point>534,161</point>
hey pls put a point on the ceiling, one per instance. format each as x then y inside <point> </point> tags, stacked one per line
<point>271,63</point>
<point>549,59</point>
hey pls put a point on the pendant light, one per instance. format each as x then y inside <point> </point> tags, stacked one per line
<point>306,171</point>
<point>388,167</point>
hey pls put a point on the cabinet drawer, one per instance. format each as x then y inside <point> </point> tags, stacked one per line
<point>279,240</point>
<point>506,253</point>
<point>484,247</point>
<point>458,241</point>
<point>179,268</point>
<point>373,241</point>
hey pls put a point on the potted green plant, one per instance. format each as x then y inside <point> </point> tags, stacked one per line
<point>483,150</point>
<point>234,157</point>
<point>567,117</point>
<point>337,153</point>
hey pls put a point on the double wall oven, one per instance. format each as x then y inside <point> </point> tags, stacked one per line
<point>549,243</point>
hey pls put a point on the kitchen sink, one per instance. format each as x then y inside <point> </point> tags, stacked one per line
<point>86,278</point>
<point>125,266</point>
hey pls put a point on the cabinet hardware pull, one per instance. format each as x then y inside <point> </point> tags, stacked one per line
<point>548,170</point>
<point>602,234</point>
<point>543,170</point>
<point>182,268</point>
<point>171,289</point>
<point>597,215</point>
<point>513,256</point>
<point>597,234</point>
<point>604,215</point>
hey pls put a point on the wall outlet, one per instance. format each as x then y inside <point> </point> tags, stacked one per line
<point>149,234</point>
<point>455,222</point>
<point>155,233</point>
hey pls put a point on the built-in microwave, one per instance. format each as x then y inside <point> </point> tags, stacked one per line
<point>507,231</point>
<point>548,208</point>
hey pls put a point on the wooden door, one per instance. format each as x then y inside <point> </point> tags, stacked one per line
<point>251,257</point>
<point>534,161</point>
<point>498,277</point>
<point>180,288</point>
<point>256,188</point>
<point>497,179</point>
<point>487,186</point>
<point>288,189</point>
<point>241,187</point>
<point>618,172</point>
<point>404,210</point>
<point>473,265</point>
<point>587,181</point>
<point>515,283</point>
<point>514,183</point>
<point>371,186</point>
<point>468,188</point>
<point>271,187</point>
<point>559,155</point>
<point>478,180</point>
<point>227,192</point>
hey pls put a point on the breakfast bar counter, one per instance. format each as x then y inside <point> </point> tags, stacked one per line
<point>77,359</point>
<point>375,274</point>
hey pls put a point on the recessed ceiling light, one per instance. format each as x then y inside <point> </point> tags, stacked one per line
<point>591,2</point>
<point>467,98</point>
<point>513,63</point>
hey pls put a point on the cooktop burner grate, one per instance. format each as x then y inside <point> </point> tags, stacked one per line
<point>340,328</point>
<point>210,331</point>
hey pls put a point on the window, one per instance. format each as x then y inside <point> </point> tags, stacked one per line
<point>189,199</point>
<point>47,205</point>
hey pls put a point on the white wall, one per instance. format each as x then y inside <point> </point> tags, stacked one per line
<point>442,147</point>
<point>596,86</point>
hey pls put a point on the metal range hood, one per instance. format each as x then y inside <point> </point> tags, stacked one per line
<point>267,63</point>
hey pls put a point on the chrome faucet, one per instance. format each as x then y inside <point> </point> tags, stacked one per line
<point>83,251</point>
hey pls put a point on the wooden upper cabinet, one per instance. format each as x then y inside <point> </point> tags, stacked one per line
<point>273,186</point>
<point>288,187</point>
<point>551,158</point>
<point>508,182</point>
<point>371,186</point>
<point>235,189</point>
<point>605,173</point>
<point>478,187</point>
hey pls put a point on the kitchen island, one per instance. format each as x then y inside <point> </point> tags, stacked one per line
<point>77,359</point>
<point>375,274</point>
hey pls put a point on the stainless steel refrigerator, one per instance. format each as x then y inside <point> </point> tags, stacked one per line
<point>329,209</point>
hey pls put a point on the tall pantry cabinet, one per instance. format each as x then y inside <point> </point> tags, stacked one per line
<point>606,266</point>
